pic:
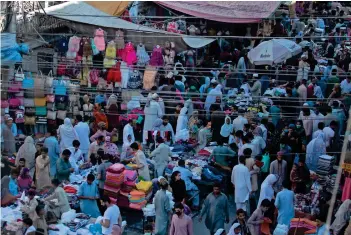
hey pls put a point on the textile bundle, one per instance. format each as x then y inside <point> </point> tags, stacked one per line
<point>325,165</point>
<point>137,199</point>
<point>114,180</point>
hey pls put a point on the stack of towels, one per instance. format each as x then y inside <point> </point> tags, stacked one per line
<point>114,180</point>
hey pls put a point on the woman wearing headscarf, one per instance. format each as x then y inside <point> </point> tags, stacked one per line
<point>217,118</point>
<point>182,121</point>
<point>110,148</point>
<point>212,96</point>
<point>9,143</point>
<point>226,129</point>
<point>112,112</point>
<point>267,191</point>
<point>315,148</point>
<point>342,216</point>
<point>27,151</point>
<point>192,125</point>
<point>258,142</point>
<point>102,132</point>
<point>99,116</point>
<point>66,134</point>
<point>152,111</point>
<point>204,87</point>
<point>9,188</point>
<point>24,180</point>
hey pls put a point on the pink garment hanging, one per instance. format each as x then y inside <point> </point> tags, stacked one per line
<point>129,55</point>
<point>99,39</point>
<point>156,57</point>
<point>346,192</point>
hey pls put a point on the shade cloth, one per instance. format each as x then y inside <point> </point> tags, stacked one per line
<point>226,11</point>
<point>115,8</point>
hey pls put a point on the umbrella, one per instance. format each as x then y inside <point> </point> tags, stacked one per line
<point>273,51</point>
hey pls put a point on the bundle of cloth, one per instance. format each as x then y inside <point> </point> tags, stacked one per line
<point>137,199</point>
<point>130,180</point>
<point>114,180</point>
<point>146,187</point>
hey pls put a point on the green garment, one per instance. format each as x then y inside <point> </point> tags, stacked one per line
<point>221,155</point>
<point>63,169</point>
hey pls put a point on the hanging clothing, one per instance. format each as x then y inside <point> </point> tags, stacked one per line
<point>42,172</point>
<point>27,151</point>
<point>226,129</point>
<point>89,206</point>
<point>149,77</point>
<point>125,74</point>
<point>135,80</point>
<point>216,209</point>
<point>119,39</point>
<point>212,96</point>
<point>284,202</point>
<point>67,134</point>
<point>162,209</point>
<point>129,55</point>
<point>315,148</point>
<point>342,216</point>
<point>99,39</point>
<point>143,57</point>
<point>156,57</point>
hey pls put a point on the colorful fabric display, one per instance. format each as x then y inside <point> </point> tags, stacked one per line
<point>156,57</point>
<point>116,168</point>
<point>130,175</point>
<point>138,206</point>
<point>144,186</point>
<point>99,39</point>
<point>131,166</point>
<point>114,180</point>
<point>129,55</point>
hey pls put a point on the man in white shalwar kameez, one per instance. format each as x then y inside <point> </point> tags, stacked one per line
<point>128,130</point>
<point>152,112</point>
<point>240,121</point>
<point>242,184</point>
<point>83,132</point>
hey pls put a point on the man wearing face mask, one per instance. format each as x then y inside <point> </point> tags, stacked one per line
<point>278,167</point>
<point>166,129</point>
<point>181,224</point>
<point>88,194</point>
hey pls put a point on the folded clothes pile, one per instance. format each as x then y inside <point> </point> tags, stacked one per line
<point>137,199</point>
<point>325,165</point>
<point>130,179</point>
<point>114,180</point>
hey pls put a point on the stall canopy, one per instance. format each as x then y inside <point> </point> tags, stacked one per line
<point>226,11</point>
<point>114,8</point>
<point>87,14</point>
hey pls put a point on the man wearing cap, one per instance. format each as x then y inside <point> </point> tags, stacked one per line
<point>235,229</point>
<point>152,111</point>
<point>161,155</point>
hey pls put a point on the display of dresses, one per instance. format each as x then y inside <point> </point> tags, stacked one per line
<point>135,80</point>
<point>156,57</point>
<point>149,77</point>
<point>143,57</point>
<point>114,74</point>
<point>119,39</point>
<point>125,74</point>
<point>129,55</point>
<point>99,39</point>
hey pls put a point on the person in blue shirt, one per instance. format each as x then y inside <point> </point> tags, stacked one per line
<point>191,189</point>
<point>100,98</point>
<point>284,202</point>
<point>13,185</point>
<point>53,150</point>
<point>88,193</point>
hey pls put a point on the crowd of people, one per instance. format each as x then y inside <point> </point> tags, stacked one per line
<point>269,132</point>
